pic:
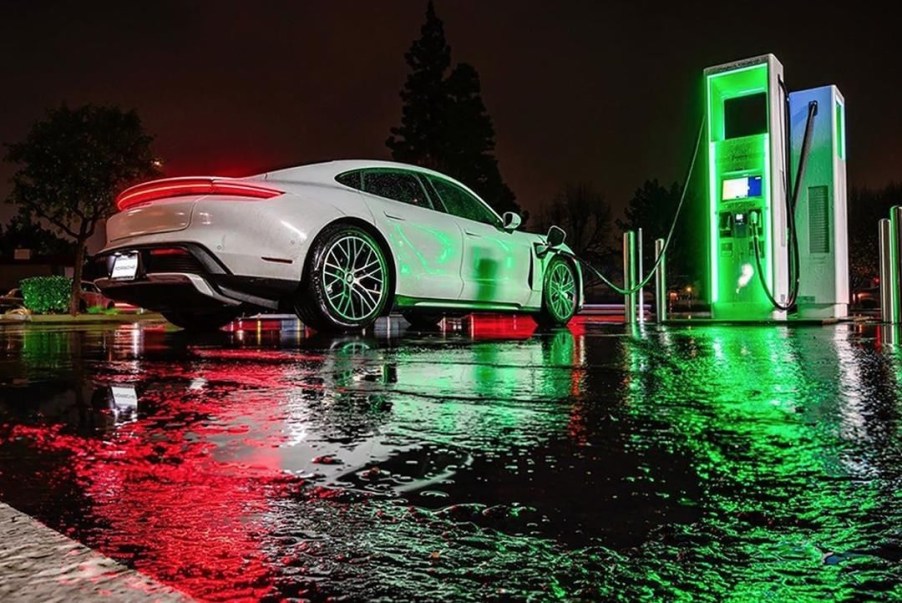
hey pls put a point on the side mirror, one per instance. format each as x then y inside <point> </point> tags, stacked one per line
<point>512,221</point>
<point>555,237</point>
<point>553,240</point>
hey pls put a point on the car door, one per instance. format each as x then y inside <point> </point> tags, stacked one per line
<point>427,245</point>
<point>497,264</point>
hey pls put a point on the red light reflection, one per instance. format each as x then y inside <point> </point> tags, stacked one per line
<point>184,491</point>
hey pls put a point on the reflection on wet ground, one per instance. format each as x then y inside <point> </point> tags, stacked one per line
<point>484,463</point>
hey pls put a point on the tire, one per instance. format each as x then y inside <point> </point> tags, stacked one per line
<point>559,294</point>
<point>347,283</point>
<point>198,321</point>
<point>422,320</point>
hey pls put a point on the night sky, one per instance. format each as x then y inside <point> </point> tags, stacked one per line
<point>601,92</point>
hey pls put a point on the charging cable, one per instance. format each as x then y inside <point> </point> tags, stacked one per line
<point>645,281</point>
<point>791,202</point>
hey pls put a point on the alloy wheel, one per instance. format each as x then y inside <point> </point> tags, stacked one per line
<point>562,291</point>
<point>353,277</point>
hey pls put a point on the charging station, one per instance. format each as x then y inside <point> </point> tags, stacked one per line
<point>820,214</point>
<point>777,210</point>
<point>776,195</point>
<point>747,188</point>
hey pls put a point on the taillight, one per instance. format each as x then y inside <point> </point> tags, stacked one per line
<point>181,187</point>
<point>168,251</point>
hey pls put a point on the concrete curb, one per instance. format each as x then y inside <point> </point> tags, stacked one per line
<point>39,564</point>
<point>81,319</point>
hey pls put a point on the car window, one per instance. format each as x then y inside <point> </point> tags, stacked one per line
<point>399,186</point>
<point>462,204</point>
<point>353,179</point>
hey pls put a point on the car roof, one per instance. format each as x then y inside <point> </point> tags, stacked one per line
<point>325,172</point>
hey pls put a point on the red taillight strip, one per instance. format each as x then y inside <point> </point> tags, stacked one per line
<point>180,187</point>
<point>168,251</point>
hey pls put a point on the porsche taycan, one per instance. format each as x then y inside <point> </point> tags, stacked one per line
<point>338,243</point>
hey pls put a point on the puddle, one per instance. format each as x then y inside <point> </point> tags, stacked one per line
<point>486,462</point>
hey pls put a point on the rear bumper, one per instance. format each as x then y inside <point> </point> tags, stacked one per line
<point>166,291</point>
<point>192,278</point>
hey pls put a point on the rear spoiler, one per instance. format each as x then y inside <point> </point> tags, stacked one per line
<point>192,185</point>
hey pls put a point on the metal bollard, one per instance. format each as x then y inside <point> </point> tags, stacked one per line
<point>640,275</point>
<point>895,256</point>
<point>629,276</point>
<point>660,283</point>
<point>888,310</point>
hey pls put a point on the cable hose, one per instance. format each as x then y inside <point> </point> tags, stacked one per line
<point>660,258</point>
<point>760,271</point>
<point>800,177</point>
<point>795,262</point>
<point>794,259</point>
<point>791,201</point>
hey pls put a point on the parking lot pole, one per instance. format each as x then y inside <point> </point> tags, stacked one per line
<point>629,276</point>
<point>895,256</point>
<point>887,309</point>
<point>660,282</point>
<point>640,275</point>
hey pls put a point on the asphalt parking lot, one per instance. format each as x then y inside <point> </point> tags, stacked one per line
<point>481,461</point>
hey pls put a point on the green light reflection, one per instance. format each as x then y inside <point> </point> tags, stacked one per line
<point>785,429</point>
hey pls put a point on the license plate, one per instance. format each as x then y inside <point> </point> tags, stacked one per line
<point>125,267</point>
<point>124,396</point>
<point>125,403</point>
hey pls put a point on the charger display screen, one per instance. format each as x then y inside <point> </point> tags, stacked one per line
<point>741,188</point>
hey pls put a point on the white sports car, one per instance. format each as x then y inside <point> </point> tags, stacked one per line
<point>339,243</point>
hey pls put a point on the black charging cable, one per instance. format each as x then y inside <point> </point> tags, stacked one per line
<point>676,217</point>
<point>791,203</point>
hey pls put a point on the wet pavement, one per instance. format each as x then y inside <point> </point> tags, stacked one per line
<point>38,564</point>
<point>483,462</point>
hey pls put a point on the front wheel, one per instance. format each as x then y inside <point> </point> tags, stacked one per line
<point>559,294</point>
<point>348,282</point>
<point>199,321</point>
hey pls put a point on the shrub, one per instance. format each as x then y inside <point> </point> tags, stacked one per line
<point>46,294</point>
<point>102,310</point>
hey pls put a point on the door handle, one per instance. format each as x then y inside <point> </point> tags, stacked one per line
<point>471,234</point>
<point>393,217</point>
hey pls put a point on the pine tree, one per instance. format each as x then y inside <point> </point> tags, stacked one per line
<point>444,123</point>
<point>419,138</point>
<point>470,140</point>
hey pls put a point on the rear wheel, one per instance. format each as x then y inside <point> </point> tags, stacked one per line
<point>348,283</point>
<point>559,295</point>
<point>198,321</point>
